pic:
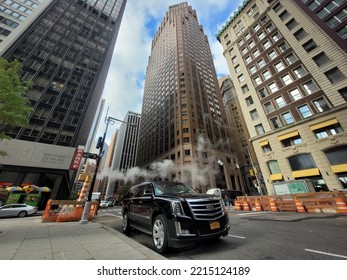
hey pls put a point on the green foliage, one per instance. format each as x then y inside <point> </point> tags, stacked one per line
<point>14,107</point>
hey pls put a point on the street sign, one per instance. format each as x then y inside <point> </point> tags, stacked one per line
<point>90,155</point>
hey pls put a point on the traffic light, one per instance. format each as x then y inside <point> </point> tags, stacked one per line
<point>251,173</point>
<point>99,144</point>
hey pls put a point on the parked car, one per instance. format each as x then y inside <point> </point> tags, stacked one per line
<point>103,204</point>
<point>174,214</point>
<point>17,210</point>
<point>110,203</point>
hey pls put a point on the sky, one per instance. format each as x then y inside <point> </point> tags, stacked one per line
<point>124,86</point>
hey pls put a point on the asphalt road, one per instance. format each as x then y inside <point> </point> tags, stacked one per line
<point>261,236</point>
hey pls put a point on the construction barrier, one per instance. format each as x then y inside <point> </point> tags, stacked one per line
<point>318,202</point>
<point>238,205</point>
<point>67,211</point>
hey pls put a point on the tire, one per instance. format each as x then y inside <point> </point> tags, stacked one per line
<point>125,224</point>
<point>22,214</point>
<point>159,234</point>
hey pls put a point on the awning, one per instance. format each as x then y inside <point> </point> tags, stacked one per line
<point>276,177</point>
<point>339,168</point>
<point>323,124</point>
<point>264,143</point>
<point>305,173</point>
<point>288,135</point>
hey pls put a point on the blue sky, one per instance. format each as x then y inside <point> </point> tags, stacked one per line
<point>124,85</point>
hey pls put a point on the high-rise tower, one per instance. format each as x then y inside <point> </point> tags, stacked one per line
<point>287,60</point>
<point>66,51</point>
<point>183,117</point>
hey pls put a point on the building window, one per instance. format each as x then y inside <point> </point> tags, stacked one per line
<point>280,102</point>
<point>245,89</point>
<point>274,167</point>
<point>256,27</point>
<point>315,4</point>
<point>241,78</point>
<point>279,66</point>
<point>328,131</point>
<point>259,129</point>
<point>287,118</point>
<point>284,15</point>
<point>310,87</point>
<point>329,8</point>
<point>277,7</point>
<point>287,79</point>
<point>343,93</point>
<point>247,36</point>
<point>337,19</point>
<point>248,59</point>
<point>334,75</point>
<point>321,59</point>
<point>291,24</point>
<point>301,162</point>
<point>251,44</point>
<point>300,72</point>
<point>270,27</point>
<point>266,148</point>
<point>276,37</point>
<point>321,104</point>
<point>187,153</point>
<point>258,80</point>
<point>254,114</point>
<point>261,36</point>
<point>267,45</point>
<point>237,68</point>
<point>292,141</point>
<point>256,53</point>
<point>261,63</point>
<point>342,32</point>
<point>275,123</point>
<point>263,93</point>
<point>272,54</point>
<point>295,94</point>
<point>305,111</point>
<point>291,58</point>
<point>244,50</point>
<point>273,87</point>
<point>309,45</point>
<point>267,75</point>
<point>269,107</point>
<point>252,69</point>
<point>249,101</point>
<point>300,34</point>
<point>283,47</point>
<point>234,59</point>
<point>337,155</point>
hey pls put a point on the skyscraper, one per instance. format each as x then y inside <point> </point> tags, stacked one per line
<point>66,51</point>
<point>289,59</point>
<point>183,117</point>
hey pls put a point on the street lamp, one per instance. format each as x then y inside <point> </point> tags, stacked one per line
<point>100,146</point>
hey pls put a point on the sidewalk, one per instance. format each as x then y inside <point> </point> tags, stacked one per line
<point>29,239</point>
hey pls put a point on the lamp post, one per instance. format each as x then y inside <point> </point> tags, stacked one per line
<point>100,146</point>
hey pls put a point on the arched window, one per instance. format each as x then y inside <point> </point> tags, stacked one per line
<point>274,167</point>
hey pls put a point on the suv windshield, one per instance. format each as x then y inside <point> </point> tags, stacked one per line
<point>161,188</point>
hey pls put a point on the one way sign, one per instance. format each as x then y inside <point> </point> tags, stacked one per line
<point>90,155</point>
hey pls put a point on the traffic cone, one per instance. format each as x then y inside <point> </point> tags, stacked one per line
<point>258,206</point>
<point>273,206</point>
<point>245,206</point>
<point>299,206</point>
<point>238,205</point>
<point>341,206</point>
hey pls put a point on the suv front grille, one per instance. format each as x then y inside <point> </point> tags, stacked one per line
<point>206,209</point>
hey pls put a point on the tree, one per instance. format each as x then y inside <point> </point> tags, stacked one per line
<point>14,107</point>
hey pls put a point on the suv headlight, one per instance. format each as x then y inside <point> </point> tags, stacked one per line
<point>177,209</point>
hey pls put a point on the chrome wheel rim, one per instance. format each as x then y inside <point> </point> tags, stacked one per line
<point>125,222</point>
<point>158,234</point>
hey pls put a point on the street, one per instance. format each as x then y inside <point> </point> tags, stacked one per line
<point>261,236</point>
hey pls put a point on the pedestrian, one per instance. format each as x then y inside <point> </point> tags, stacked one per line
<point>226,201</point>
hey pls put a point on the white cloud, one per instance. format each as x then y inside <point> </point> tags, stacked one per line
<point>124,86</point>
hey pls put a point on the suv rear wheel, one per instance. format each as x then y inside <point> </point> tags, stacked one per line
<point>159,234</point>
<point>125,224</point>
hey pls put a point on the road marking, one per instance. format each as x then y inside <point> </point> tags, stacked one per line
<point>325,253</point>
<point>251,213</point>
<point>236,236</point>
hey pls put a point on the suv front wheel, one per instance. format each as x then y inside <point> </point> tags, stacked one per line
<point>125,224</point>
<point>159,234</point>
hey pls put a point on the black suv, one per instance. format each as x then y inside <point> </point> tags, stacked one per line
<point>174,214</point>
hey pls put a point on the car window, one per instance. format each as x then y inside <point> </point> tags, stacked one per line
<point>6,207</point>
<point>147,189</point>
<point>18,206</point>
<point>162,188</point>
